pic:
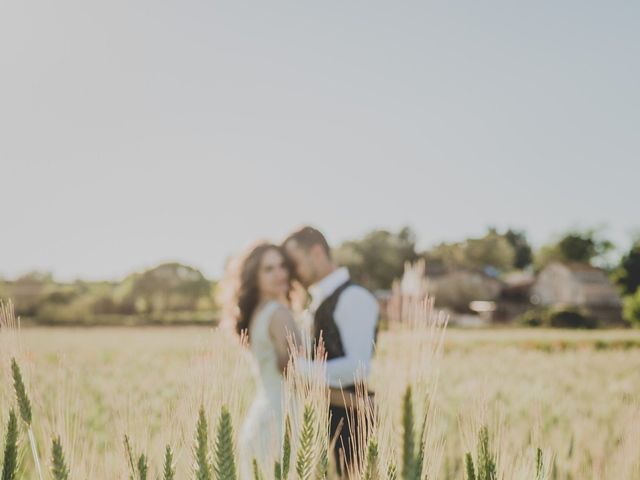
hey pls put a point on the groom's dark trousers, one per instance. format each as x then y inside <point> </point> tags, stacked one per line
<point>340,431</point>
<point>345,429</point>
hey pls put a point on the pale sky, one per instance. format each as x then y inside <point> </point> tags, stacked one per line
<point>135,132</point>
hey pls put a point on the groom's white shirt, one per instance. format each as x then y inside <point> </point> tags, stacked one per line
<point>356,316</point>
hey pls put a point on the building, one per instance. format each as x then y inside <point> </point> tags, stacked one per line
<point>456,289</point>
<point>579,286</point>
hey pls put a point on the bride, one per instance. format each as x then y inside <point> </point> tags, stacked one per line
<point>260,306</point>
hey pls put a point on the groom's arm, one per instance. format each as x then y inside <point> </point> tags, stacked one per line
<point>356,316</point>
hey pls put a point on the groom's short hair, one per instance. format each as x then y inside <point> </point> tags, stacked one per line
<point>307,237</point>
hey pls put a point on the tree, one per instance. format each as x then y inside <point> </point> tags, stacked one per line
<point>378,258</point>
<point>28,292</point>
<point>523,253</point>
<point>574,247</point>
<point>631,311</point>
<point>167,287</point>
<point>445,255</point>
<point>627,275</point>
<point>492,250</point>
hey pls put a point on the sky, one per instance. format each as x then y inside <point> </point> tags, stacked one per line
<point>136,132</point>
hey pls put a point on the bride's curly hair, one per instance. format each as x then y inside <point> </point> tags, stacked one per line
<point>238,292</point>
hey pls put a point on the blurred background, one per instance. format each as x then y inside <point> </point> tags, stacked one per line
<point>142,144</point>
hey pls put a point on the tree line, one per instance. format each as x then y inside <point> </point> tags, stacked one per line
<point>173,292</point>
<point>378,258</point>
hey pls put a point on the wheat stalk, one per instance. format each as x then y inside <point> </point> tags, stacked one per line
<point>59,469</point>
<point>169,471</point>
<point>286,449</point>
<point>129,453</point>
<point>64,418</point>
<point>539,464</point>
<point>24,406</point>
<point>143,467</point>
<point>203,466</point>
<point>408,436</point>
<point>257,475</point>
<point>372,470</point>
<point>304,460</point>
<point>224,466</point>
<point>486,458</point>
<point>322,468</point>
<point>471,471</point>
<point>306,411</point>
<point>413,370</point>
<point>21,394</point>
<point>485,464</point>
<point>392,471</point>
<point>140,469</point>
<point>10,331</point>
<point>10,462</point>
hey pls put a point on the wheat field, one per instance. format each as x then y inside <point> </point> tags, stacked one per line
<point>574,395</point>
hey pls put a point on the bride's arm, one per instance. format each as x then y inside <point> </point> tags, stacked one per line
<point>282,329</point>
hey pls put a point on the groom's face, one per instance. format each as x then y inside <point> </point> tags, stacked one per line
<point>303,261</point>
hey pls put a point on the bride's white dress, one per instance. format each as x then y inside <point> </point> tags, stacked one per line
<point>261,433</point>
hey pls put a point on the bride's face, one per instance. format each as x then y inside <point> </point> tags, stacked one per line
<point>273,276</point>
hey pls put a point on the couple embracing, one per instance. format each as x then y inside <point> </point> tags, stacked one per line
<point>344,314</point>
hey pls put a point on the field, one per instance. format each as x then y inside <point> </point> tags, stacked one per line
<point>573,394</point>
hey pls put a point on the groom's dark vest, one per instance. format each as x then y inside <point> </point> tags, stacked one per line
<point>324,324</point>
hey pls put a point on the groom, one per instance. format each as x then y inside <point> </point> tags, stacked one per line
<point>346,315</point>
